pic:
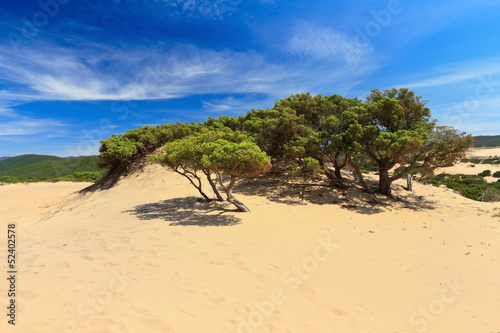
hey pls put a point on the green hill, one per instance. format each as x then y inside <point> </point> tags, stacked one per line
<point>488,141</point>
<point>23,160</point>
<point>53,169</point>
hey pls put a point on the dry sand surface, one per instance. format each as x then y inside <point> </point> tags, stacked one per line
<point>147,256</point>
<point>474,169</point>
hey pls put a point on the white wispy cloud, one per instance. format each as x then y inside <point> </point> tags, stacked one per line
<point>236,105</point>
<point>465,94</point>
<point>327,44</point>
<point>459,72</point>
<point>102,72</point>
<point>28,126</point>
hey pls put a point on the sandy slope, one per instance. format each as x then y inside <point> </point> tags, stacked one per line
<point>146,256</point>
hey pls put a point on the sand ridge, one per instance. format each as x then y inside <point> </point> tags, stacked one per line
<point>148,256</point>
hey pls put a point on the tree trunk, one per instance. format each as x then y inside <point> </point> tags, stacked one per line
<point>230,198</point>
<point>198,187</point>
<point>338,164</point>
<point>337,172</point>
<point>359,174</point>
<point>332,176</point>
<point>239,205</point>
<point>214,187</point>
<point>384,185</point>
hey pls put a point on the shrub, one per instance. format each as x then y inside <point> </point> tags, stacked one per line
<point>10,179</point>
<point>485,173</point>
<point>87,176</point>
<point>497,174</point>
<point>470,186</point>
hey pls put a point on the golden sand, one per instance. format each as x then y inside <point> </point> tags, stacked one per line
<point>147,256</point>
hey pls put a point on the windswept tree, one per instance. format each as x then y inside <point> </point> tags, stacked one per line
<point>116,151</point>
<point>184,157</point>
<point>398,130</point>
<point>329,135</point>
<point>235,160</point>
<point>214,153</point>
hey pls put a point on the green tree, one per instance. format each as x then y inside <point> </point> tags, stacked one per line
<point>236,160</point>
<point>117,150</point>
<point>329,133</point>
<point>214,152</point>
<point>398,130</point>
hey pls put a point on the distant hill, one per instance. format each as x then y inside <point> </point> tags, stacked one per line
<point>23,160</point>
<point>488,141</point>
<point>59,167</point>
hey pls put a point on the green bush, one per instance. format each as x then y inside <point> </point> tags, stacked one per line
<point>470,186</point>
<point>495,160</point>
<point>497,174</point>
<point>10,179</point>
<point>88,176</point>
<point>485,173</point>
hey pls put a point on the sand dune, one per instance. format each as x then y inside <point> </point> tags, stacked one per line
<point>148,256</point>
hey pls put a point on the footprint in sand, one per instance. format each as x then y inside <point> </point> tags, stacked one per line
<point>308,291</point>
<point>188,313</point>
<point>336,312</point>
<point>237,261</point>
<point>275,329</point>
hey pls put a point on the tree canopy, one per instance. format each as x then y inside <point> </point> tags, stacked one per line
<point>215,153</point>
<point>312,135</point>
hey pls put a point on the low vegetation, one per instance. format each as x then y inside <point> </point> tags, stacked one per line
<point>491,160</point>
<point>23,160</point>
<point>470,186</point>
<point>488,141</point>
<point>83,169</point>
<point>485,173</point>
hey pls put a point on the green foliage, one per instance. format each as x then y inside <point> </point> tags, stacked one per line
<point>398,130</point>
<point>220,152</point>
<point>491,160</point>
<point>10,179</point>
<point>496,174</point>
<point>485,173</point>
<point>495,160</point>
<point>87,176</point>
<point>365,163</point>
<point>53,169</point>
<point>308,168</point>
<point>243,159</point>
<point>23,160</point>
<point>488,141</point>
<point>115,150</point>
<point>311,134</point>
<point>119,151</point>
<point>470,186</point>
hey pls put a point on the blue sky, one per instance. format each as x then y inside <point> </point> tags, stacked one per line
<point>73,72</point>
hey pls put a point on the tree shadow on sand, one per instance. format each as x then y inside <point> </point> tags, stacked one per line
<point>189,211</point>
<point>278,189</point>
